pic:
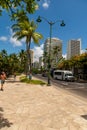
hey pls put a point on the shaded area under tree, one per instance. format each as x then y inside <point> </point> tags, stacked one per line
<point>4,122</point>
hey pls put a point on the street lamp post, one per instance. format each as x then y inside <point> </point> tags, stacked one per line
<point>49,58</point>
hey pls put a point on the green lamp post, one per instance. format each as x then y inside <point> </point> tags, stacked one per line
<point>39,19</point>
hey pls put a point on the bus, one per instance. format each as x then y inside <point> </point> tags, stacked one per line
<point>63,75</point>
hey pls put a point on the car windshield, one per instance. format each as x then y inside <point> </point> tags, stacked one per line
<point>68,74</point>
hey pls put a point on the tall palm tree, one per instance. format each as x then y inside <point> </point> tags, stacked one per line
<point>27,29</point>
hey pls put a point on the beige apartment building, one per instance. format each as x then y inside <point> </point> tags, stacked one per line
<point>73,48</point>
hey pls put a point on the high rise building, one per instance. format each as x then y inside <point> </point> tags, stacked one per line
<point>40,62</point>
<point>73,48</point>
<point>36,65</point>
<point>54,49</point>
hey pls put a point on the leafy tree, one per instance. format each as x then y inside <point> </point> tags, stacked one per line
<point>83,58</point>
<point>15,6</point>
<point>75,63</point>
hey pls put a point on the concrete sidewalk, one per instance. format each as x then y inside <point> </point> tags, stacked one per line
<point>35,107</point>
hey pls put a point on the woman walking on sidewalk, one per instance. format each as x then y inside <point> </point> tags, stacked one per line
<point>2,77</point>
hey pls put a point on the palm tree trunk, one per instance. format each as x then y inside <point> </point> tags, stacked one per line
<point>28,64</point>
<point>27,59</point>
<point>29,54</point>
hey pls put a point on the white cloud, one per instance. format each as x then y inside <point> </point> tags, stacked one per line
<point>46,4</point>
<point>15,42</point>
<point>10,38</point>
<point>64,56</point>
<point>83,51</point>
<point>23,40</point>
<point>38,51</point>
<point>3,38</point>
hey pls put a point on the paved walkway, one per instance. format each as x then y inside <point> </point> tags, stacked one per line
<point>35,107</point>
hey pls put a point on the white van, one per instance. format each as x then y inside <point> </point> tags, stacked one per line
<point>63,75</point>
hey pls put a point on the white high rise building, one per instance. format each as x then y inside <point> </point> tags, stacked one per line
<point>49,48</point>
<point>73,48</point>
<point>40,62</point>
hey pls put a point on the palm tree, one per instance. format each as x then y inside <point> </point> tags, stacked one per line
<point>13,63</point>
<point>27,29</point>
<point>4,60</point>
<point>56,50</point>
<point>22,59</point>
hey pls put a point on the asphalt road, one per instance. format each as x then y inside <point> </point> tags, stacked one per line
<point>77,88</point>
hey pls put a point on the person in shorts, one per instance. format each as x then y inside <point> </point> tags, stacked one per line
<point>2,77</point>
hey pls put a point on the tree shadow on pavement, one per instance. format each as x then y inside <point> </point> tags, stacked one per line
<point>4,122</point>
<point>12,81</point>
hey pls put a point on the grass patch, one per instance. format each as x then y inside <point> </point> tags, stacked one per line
<point>32,81</point>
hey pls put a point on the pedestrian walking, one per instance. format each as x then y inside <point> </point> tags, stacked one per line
<point>2,77</point>
<point>14,76</point>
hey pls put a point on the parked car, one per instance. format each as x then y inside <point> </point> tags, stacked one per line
<point>44,74</point>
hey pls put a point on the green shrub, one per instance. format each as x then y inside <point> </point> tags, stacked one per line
<point>32,81</point>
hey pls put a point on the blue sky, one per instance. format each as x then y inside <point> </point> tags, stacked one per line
<point>73,12</point>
